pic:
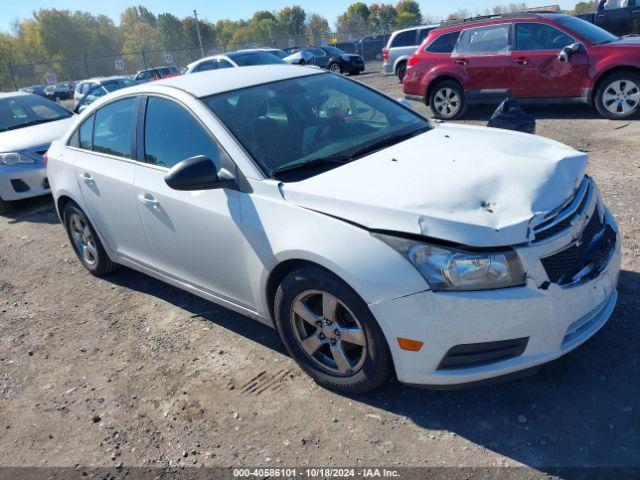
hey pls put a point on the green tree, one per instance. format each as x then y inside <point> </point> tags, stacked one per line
<point>585,7</point>
<point>356,18</point>
<point>207,33</point>
<point>382,17</point>
<point>292,20</point>
<point>169,32</point>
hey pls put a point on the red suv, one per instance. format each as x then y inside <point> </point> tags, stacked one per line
<point>533,56</point>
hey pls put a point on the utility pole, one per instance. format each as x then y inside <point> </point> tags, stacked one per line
<point>195,14</point>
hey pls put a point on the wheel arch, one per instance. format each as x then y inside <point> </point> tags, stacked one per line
<point>439,79</point>
<point>398,61</point>
<point>606,74</point>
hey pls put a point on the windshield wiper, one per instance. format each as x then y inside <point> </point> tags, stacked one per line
<point>316,162</point>
<point>341,158</point>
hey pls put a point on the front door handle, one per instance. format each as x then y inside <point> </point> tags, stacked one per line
<point>521,60</point>
<point>462,61</point>
<point>148,199</point>
<point>86,177</point>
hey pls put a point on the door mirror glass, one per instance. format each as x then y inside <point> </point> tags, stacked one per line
<point>196,173</point>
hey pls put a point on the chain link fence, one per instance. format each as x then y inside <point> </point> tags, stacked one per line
<point>367,43</point>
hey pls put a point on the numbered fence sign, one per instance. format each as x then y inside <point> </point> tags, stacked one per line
<point>119,63</point>
<point>292,43</point>
<point>169,58</point>
<point>50,78</point>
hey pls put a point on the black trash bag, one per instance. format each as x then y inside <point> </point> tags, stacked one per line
<point>510,116</point>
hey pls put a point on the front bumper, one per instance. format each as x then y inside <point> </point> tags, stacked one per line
<point>23,181</point>
<point>553,319</point>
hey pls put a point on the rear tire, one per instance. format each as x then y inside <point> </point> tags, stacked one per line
<point>618,96</point>
<point>447,100</point>
<point>85,241</point>
<point>317,339</point>
<point>401,71</point>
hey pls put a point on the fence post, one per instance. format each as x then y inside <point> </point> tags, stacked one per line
<point>86,65</point>
<point>13,78</point>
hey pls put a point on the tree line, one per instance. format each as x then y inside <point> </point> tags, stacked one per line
<point>77,44</point>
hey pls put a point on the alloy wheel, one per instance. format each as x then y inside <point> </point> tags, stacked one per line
<point>328,332</point>
<point>335,68</point>
<point>83,240</point>
<point>621,97</point>
<point>447,102</point>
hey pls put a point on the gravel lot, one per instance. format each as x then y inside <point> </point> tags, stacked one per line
<point>130,370</point>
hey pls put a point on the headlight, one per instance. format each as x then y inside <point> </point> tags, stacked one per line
<point>447,268</point>
<point>345,58</point>
<point>15,159</point>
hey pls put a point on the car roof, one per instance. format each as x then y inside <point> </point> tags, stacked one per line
<point>13,94</point>
<point>415,28</point>
<point>488,19</point>
<point>218,81</point>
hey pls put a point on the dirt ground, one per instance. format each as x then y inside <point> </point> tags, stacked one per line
<point>127,370</point>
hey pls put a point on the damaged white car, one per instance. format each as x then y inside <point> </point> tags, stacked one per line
<point>373,240</point>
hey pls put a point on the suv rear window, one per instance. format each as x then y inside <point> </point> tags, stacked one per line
<point>404,39</point>
<point>444,43</point>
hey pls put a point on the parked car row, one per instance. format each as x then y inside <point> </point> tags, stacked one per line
<point>534,57</point>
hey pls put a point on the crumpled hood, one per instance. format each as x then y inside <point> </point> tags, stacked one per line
<point>27,138</point>
<point>471,185</point>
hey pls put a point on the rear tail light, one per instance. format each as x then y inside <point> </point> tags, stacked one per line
<point>46,159</point>
<point>385,54</point>
<point>413,60</point>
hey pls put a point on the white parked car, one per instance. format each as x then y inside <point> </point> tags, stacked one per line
<point>374,240</point>
<point>99,86</point>
<point>240,58</point>
<point>28,124</point>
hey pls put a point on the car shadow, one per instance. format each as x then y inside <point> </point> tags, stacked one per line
<point>540,112</point>
<point>581,410</point>
<point>34,210</point>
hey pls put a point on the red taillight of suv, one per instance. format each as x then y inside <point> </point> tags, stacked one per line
<point>413,60</point>
<point>46,159</point>
<point>385,54</point>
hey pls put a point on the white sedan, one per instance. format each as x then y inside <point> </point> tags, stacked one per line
<point>240,58</point>
<point>28,124</point>
<point>373,240</point>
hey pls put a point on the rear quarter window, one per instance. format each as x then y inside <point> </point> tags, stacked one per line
<point>445,43</point>
<point>404,39</point>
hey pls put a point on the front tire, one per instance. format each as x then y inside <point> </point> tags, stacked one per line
<point>618,97</point>
<point>330,332</point>
<point>447,101</point>
<point>85,242</point>
<point>335,67</point>
<point>5,207</point>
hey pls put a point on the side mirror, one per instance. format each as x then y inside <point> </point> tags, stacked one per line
<point>196,173</point>
<point>405,103</point>
<point>566,52</point>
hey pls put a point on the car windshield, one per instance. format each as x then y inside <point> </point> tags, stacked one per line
<point>26,110</point>
<point>586,30</point>
<point>333,51</point>
<point>254,58</point>
<point>299,127</point>
<point>114,85</point>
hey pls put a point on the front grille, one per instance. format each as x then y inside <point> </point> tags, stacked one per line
<point>471,355</point>
<point>561,220</point>
<point>592,249</point>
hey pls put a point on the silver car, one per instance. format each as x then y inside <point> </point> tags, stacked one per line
<point>28,125</point>
<point>401,45</point>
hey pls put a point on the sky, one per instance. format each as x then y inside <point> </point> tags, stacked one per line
<point>214,10</point>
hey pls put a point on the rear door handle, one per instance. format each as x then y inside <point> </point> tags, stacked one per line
<point>462,61</point>
<point>148,199</point>
<point>521,61</point>
<point>86,177</point>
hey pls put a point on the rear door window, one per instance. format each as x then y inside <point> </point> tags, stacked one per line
<point>444,43</point>
<point>490,39</point>
<point>404,39</point>
<point>113,126</point>
<point>205,66</point>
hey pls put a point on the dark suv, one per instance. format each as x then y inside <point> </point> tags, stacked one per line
<point>537,57</point>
